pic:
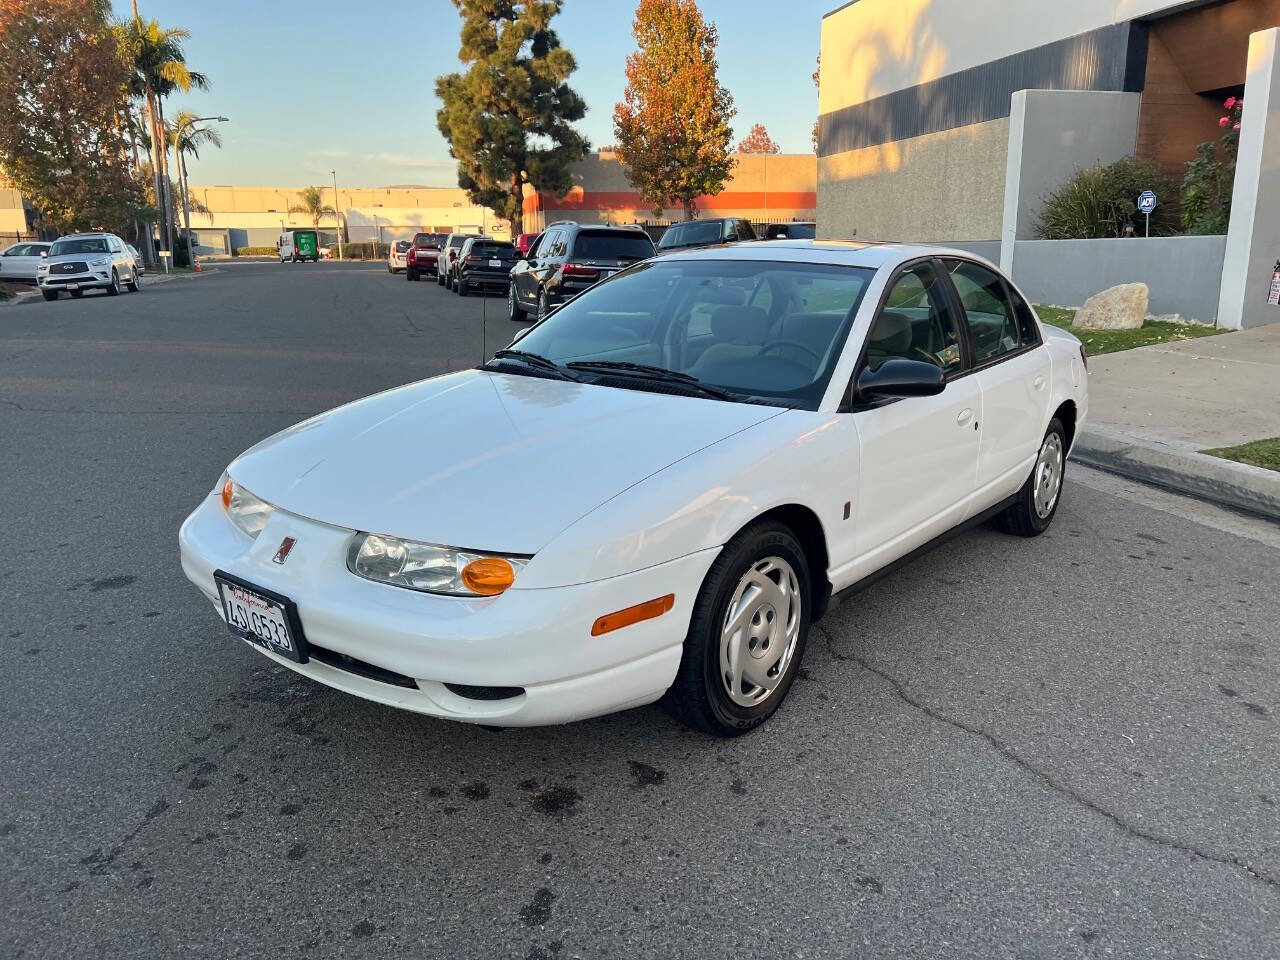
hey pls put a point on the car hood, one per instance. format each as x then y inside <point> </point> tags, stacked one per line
<point>483,460</point>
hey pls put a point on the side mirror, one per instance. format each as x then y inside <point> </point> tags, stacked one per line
<point>44,254</point>
<point>899,377</point>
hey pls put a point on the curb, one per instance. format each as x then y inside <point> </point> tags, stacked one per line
<point>18,298</point>
<point>1237,485</point>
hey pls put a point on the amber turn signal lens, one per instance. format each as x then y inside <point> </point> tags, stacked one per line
<point>228,489</point>
<point>641,611</point>
<point>488,576</point>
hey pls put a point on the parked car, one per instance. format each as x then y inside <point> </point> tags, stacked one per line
<point>796,230</point>
<point>447,260</point>
<point>423,256</point>
<point>396,255</point>
<point>706,233</point>
<point>86,261</point>
<point>21,261</point>
<point>138,263</point>
<point>485,264</point>
<point>298,246</point>
<point>567,259</point>
<point>524,242</point>
<point>708,446</point>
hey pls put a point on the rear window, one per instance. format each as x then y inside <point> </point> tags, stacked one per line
<point>428,239</point>
<point>691,234</point>
<point>456,241</point>
<point>490,248</point>
<point>612,245</point>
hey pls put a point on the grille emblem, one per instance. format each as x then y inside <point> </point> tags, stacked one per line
<point>286,545</point>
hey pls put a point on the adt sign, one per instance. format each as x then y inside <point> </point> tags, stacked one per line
<point>1147,202</point>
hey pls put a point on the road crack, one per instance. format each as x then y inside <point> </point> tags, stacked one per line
<point>1044,776</point>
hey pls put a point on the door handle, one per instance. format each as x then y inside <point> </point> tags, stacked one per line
<point>963,417</point>
<point>1038,382</point>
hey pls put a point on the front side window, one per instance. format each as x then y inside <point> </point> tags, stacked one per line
<point>702,318</point>
<point>994,327</point>
<point>21,250</point>
<point>916,323</point>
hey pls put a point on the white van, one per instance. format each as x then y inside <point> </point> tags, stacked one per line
<point>299,246</point>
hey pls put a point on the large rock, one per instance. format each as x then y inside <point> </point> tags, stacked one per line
<point>1120,308</point>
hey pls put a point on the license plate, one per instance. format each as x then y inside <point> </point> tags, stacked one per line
<point>261,616</point>
<point>495,263</point>
<point>73,286</point>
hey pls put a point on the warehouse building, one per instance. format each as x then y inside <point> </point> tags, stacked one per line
<point>950,120</point>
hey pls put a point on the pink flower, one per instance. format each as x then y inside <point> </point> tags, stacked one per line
<point>1231,102</point>
<point>1223,121</point>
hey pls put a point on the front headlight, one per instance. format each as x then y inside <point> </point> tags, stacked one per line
<point>430,567</point>
<point>100,262</point>
<point>249,513</point>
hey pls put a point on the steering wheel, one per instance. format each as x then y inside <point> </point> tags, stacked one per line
<point>817,360</point>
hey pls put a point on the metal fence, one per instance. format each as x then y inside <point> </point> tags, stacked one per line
<point>13,236</point>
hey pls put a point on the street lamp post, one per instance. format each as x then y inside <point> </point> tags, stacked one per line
<point>182,169</point>
<point>337,214</point>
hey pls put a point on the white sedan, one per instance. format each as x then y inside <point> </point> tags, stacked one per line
<point>653,493</point>
<point>20,261</point>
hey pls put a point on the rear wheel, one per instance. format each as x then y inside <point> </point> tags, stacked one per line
<point>514,312</point>
<point>1037,502</point>
<point>439,278</point>
<point>410,274</point>
<point>462,285</point>
<point>747,633</point>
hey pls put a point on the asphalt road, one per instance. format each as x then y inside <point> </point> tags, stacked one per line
<point>1063,747</point>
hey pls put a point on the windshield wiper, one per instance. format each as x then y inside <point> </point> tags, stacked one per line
<point>654,373</point>
<point>535,360</point>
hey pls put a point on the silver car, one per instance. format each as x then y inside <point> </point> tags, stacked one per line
<point>85,261</point>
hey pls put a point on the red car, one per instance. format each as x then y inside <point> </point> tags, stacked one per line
<point>524,242</point>
<point>421,257</point>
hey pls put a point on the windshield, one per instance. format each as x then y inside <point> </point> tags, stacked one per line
<point>84,245</point>
<point>759,329</point>
<point>612,245</point>
<point>691,234</point>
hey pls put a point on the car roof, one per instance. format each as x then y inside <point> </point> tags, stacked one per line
<point>851,253</point>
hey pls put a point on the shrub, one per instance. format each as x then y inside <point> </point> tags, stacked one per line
<point>1210,177</point>
<point>1103,201</point>
<point>257,252</point>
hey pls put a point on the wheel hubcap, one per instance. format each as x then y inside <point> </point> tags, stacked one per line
<point>760,631</point>
<point>1048,475</point>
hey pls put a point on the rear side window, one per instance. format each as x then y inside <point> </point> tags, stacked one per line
<point>612,245</point>
<point>691,234</point>
<point>744,231</point>
<point>994,325</point>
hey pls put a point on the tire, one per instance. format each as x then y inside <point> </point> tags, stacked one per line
<point>461,286</point>
<point>1036,503</point>
<point>410,275</point>
<point>50,294</point>
<point>114,289</point>
<point>514,312</point>
<point>439,278</point>
<point>132,286</point>
<point>544,304</point>
<point>770,641</point>
<point>76,294</point>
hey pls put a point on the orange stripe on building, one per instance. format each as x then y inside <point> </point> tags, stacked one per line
<point>579,199</point>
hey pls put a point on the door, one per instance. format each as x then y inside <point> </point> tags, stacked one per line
<point>918,456</point>
<point>543,262</point>
<point>1012,369</point>
<point>17,262</point>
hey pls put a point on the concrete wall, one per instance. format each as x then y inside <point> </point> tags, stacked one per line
<point>1253,237</point>
<point>935,188</point>
<point>875,47</point>
<point>1183,273</point>
<point>13,218</point>
<point>1052,134</point>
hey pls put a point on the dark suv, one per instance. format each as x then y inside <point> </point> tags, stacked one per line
<point>706,233</point>
<point>421,258</point>
<point>484,263</point>
<point>568,258</point>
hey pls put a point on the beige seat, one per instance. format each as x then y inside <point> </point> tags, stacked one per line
<point>737,331</point>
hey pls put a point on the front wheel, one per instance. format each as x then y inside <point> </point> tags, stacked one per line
<point>1037,502</point>
<point>50,294</point>
<point>544,304</point>
<point>113,288</point>
<point>514,313</point>
<point>132,285</point>
<point>747,633</point>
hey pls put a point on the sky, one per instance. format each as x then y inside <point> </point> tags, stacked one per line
<point>326,85</point>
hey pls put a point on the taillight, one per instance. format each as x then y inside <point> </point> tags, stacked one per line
<point>580,270</point>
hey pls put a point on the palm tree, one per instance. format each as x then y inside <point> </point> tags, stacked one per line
<point>160,69</point>
<point>186,137</point>
<point>313,205</point>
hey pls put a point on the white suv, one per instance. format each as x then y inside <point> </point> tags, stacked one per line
<point>83,261</point>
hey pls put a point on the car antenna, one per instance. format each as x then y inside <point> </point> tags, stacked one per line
<point>484,320</point>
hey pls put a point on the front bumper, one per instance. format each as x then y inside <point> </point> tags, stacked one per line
<point>537,640</point>
<point>75,281</point>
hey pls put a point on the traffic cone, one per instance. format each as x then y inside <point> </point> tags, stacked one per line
<point>198,270</point>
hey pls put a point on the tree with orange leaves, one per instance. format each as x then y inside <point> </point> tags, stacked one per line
<point>758,141</point>
<point>672,126</point>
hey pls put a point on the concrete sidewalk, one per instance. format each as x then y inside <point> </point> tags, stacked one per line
<point>1152,409</point>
